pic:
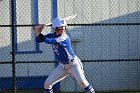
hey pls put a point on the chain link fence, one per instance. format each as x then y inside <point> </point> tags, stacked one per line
<point>105,36</point>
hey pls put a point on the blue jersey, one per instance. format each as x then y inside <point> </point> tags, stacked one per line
<point>61,46</point>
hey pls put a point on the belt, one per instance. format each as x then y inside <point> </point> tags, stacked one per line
<point>68,61</point>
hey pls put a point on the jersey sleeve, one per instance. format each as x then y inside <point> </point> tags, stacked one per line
<point>51,41</point>
<point>50,35</point>
<point>42,37</point>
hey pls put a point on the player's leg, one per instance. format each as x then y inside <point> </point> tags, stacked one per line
<point>55,76</point>
<point>78,72</point>
<point>56,87</point>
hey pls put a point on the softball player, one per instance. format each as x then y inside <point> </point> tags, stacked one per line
<point>69,63</point>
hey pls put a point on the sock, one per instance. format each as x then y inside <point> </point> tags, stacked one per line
<point>48,91</point>
<point>89,89</point>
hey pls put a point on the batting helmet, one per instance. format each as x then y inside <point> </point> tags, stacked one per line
<point>58,22</point>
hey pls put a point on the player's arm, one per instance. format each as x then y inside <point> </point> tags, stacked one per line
<point>46,38</point>
<point>59,40</point>
<point>49,39</point>
<point>62,40</point>
<point>39,36</point>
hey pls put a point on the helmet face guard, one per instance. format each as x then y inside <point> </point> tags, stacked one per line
<point>57,23</point>
<point>62,28</point>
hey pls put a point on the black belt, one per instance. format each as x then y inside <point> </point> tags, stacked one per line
<point>72,60</point>
<point>68,61</point>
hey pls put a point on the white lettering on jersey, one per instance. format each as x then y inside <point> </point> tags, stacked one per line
<point>55,47</point>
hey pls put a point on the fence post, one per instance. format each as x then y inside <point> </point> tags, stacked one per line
<point>54,9</point>
<point>13,49</point>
